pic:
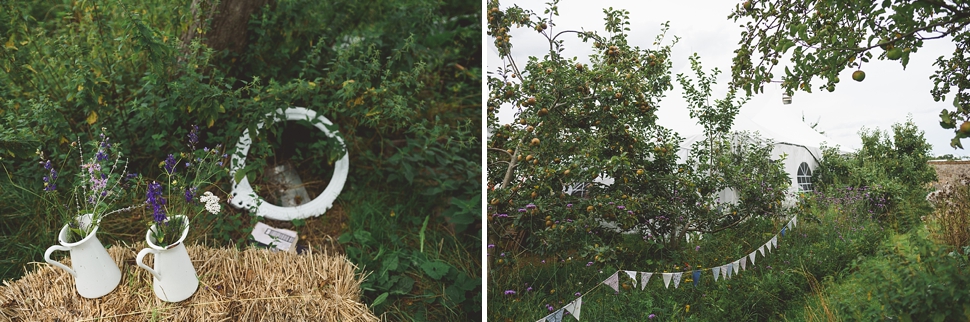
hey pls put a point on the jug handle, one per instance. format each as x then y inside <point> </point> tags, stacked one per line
<point>141,255</point>
<point>47,258</point>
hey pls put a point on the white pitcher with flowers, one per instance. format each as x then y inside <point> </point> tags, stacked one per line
<point>174,277</point>
<point>96,189</point>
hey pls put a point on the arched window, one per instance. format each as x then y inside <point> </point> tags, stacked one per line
<point>804,177</point>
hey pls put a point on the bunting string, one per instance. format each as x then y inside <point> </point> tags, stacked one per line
<point>724,271</point>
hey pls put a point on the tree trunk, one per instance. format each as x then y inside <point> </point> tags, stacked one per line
<point>230,24</point>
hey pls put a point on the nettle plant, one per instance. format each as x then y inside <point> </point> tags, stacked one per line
<point>585,162</point>
<point>179,192</point>
<point>96,189</point>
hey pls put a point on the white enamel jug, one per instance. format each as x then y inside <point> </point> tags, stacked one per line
<point>174,276</point>
<point>95,273</point>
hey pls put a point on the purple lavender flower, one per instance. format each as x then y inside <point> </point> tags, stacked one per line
<point>155,199</point>
<point>194,136</point>
<point>170,164</point>
<point>48,165</point>
<point>101,156</point>
<point>189,194</point>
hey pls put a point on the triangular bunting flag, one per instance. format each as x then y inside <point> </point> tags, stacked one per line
<point>752,256</point>
<point>767,246</point>
<point>743,261</point>
<point>783,231</point>
<point>729,269</point>
<point>794,221</point>
<point>717,273</point>
<point>774,242</point>
<point>575,307</point>
<point>762,250</point>
<point>677,279</point>
<point>724,271</point>
<point>736,265</point>
<point>633,276</point>
<point>644,278</point>
<point>697,277</point>
<point>613,281</point>
<point>667,277</point>
<point>555,316</point>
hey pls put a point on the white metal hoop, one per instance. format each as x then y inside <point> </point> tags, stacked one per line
<point>243,195</point>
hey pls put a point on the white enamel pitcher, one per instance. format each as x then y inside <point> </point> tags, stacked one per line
<point>174,276</point>
<point>95,273</point>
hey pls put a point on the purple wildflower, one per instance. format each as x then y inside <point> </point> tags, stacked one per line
<point>170,164</point>
<point>529,289</point>
<point>588,264</point>
<point>491,245</point>
<point>620,207</point>
<point>577,294</point>
<point>530,206</point>
<point>651,316</point>
<point>48,165</point>
<point>194,136</point>
<point>189,194</point>
<point>569,205</point>
<point>521,209</point>
<point>155,199</point>
<point>509,292</point>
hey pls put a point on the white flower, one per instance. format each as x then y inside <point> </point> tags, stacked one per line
<point>211,202</point>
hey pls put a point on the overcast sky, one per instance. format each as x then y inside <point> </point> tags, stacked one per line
<point>886,96</point>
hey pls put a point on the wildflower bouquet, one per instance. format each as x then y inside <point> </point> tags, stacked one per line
<point>177,191</point>
<point>96,188</point>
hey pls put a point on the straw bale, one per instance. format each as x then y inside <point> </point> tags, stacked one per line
<point>250,285</point>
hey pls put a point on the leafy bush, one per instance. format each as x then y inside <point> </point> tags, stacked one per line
<point>893,168</point>
<point>910,278</point>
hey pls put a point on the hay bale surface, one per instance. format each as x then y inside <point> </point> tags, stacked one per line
<point>252,285</point>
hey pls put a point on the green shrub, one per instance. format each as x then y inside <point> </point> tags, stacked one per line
<point>910,278</point>
<point>893,168</point>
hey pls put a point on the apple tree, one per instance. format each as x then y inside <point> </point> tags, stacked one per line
<point>822,38</point>
<point>585,167</point>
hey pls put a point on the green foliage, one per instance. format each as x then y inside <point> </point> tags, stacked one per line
<point>385,240</point>
<point>894,169</point>
<point>824,38</point>
<point>910,279</point>
<point>827,241</point>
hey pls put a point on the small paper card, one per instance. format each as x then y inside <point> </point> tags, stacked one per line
<point>280,239</point>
